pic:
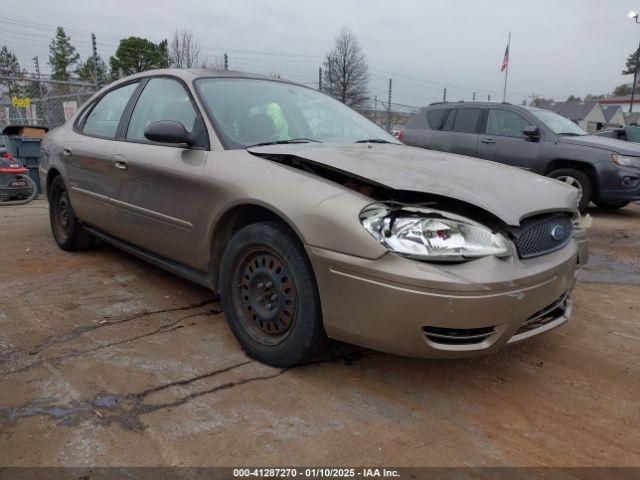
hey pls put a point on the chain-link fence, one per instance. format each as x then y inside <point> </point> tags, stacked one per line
<point>28,101</point>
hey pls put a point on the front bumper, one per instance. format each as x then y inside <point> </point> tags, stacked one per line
<point>621,184</point>
<point>427,310</point>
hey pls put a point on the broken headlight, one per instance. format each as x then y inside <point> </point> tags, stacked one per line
<point>427,234</point>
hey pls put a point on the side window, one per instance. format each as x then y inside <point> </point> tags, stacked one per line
<point>448,123</point>
<point>161,99</point>
<point>467,120</point>
<point>103,119</point>
<point>505,123</point>
<point>435,118</point>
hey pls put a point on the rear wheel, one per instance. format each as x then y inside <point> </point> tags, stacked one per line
<point>269,295</point>
<point>610,205</point>
<point>577,179</point>
<point>66,229</point>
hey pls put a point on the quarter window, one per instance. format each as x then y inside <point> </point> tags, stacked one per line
<point>161,99</point>
<point>451,116</point>
<point>467,120</point>
<point>435,118</point>
<point>103,119</point>
<point>505,123</point>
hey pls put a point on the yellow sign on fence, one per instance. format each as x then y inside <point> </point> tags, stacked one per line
<point>21,102</point>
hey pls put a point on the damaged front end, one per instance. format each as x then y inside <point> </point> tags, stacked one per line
<point>435,228</point>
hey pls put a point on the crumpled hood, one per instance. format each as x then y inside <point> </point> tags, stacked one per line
<point>507,192</point>
<point>604,143</point>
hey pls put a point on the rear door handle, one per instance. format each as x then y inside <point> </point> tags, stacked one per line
<point>66,151</point>
<point>487,140</point>
<point>119,161</point>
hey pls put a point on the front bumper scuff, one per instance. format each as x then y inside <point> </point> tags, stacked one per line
<point>385,304</point>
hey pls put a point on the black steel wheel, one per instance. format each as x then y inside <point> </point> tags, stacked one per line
<point>67,230</point>
<point>265,295</point>
<point>269,295</point>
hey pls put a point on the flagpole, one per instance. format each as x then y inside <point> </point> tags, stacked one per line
<point>506,70</point>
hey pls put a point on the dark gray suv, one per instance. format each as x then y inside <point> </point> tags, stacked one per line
<point>604,170</point>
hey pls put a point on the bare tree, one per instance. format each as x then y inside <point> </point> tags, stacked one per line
<point>346,71</point>
<point>184,50</point>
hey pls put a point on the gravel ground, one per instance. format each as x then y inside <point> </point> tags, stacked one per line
<point>105,360</point>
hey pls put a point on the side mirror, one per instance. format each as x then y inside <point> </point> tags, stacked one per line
<point>531,133</point>
<point>168,131</point>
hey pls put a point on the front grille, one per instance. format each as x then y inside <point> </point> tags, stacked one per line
<point>458,336</point>
<point>546,315</point>
<point>540,235</point>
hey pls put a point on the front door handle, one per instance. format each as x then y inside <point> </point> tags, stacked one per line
<point>66,151</point>
<point>487,140</point>
<point>119,161</point>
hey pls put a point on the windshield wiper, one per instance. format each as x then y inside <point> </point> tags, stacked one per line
<point>569,134</point>
<point>373,140</point>
<point>284,142</point>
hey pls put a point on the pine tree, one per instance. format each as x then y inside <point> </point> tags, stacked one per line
<point>62,55</point>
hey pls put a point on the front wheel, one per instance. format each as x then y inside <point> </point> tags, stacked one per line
<point>269,295</point>
<point>576,179</point>
<point>65,226</point>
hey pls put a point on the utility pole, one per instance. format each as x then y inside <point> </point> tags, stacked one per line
<point>226,61</point>
<point>36,61</point>
<point>444,95</point>
<point>389,109</point>
<point>319,79</point>
<point>375,109</point>
<point>95,58</point>
<point>474,96</point>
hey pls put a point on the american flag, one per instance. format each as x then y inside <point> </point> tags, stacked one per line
<point>505,60</point>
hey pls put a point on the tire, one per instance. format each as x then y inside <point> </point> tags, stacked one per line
<point>269,295</point>
<point>577,179</point>
<point>65,226</point>
<point>610,205</point>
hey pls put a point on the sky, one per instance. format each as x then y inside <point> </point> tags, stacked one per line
<point>558,47</point>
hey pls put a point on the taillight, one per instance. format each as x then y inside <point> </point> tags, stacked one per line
<point>7,155</point>
<point>401,135</point>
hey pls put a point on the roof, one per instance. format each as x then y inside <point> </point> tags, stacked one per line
<point>575,111</point>
<point>609,111</point>
<point>469,103</point>
<point>190,74</point>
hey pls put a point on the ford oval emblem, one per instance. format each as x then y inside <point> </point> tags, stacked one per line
<point>557,232</point>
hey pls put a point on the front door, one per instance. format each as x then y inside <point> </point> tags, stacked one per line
<point>157,205</point>
<point>504,142</point>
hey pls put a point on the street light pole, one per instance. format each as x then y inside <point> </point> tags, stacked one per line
<point>634,15</point>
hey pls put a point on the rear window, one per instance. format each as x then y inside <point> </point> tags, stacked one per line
<point>104,117</point>
<point>467,120</point>
<point>435,118</point>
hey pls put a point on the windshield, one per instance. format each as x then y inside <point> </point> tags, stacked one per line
<point>557,123</point>
<point>251,111</point>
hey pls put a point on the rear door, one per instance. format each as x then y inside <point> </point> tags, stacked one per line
<point>157,204</point>
<point>504,142</point>
<point>87,156</point>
